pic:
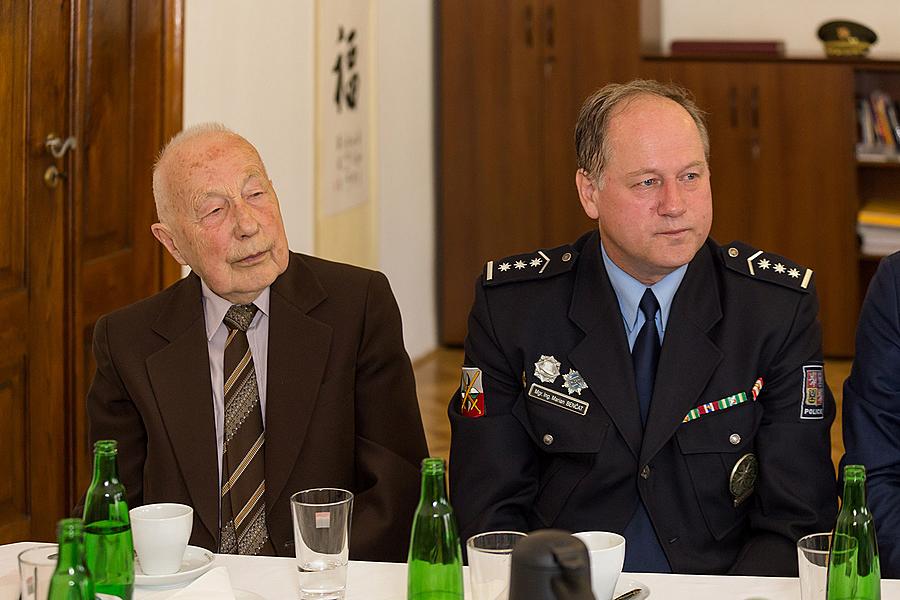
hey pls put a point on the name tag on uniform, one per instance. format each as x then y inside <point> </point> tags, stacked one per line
<point>558,399</point>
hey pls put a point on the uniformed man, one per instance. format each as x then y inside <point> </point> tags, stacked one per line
<point>645,380</point>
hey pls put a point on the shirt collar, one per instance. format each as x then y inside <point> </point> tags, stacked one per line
<point>629,291</point>
<point>215,307</point>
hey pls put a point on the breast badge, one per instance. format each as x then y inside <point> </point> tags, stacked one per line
<point>743,478</point>
<point>547,369</point>
<point>574,382</point>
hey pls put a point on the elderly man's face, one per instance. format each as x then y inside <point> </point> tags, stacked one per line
<point>655,206</point>
<point>224,219</point>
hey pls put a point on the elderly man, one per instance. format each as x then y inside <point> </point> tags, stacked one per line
<point>262,373</point>
<point>645,380</point>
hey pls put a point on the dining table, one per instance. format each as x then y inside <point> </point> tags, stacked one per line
<point>274,578</point>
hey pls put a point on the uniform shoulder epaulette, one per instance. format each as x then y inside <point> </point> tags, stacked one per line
<point>539,264</point>
<point>767,266</point>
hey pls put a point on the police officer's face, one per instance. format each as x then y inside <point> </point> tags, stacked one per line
<point>225,222</point>
<point>655,205</point>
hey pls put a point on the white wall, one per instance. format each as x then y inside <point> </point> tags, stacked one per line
<point>250,65</point>
<point>793,21</point>
<point>405,171</point>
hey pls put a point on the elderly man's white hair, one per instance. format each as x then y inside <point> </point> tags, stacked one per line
<point>161,185</point>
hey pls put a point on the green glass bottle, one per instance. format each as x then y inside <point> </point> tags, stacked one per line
<point>71,580</point>
<point>107,528</point>
<point>435,556</point>
<point>853,568</point>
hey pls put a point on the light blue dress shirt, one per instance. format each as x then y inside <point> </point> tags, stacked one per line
<point>629,292</point>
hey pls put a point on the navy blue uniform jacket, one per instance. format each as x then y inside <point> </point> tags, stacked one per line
<point>872,408</point>
<point>528,463</point>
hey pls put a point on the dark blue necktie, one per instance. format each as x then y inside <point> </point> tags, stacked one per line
<point>643,552</point>
<point>645,353</point>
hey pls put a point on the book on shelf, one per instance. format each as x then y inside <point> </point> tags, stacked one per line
<point>878,128</point>
<point>727,47</point>
<point>878,225</point>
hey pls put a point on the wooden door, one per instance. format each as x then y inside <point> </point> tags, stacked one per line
<point>128,104</point>
<point>587,45</point>
<point>490,151</point>
<point>34,38</point>
<point>806,182</point>
<point>107,75</point>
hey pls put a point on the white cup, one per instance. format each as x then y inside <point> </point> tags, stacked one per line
<point>607,552</point>
<point>161,533</point>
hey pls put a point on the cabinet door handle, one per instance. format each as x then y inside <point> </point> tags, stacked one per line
<point>754,107</point>
<point>529,26</point>
<point>733,106</point>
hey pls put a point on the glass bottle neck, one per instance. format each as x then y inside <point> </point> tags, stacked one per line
<point>70,549</point>
<point>433,487</point>
<point>105,467</point>
<point>854,493</point>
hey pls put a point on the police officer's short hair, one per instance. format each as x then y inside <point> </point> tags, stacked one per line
<point>592,127</point>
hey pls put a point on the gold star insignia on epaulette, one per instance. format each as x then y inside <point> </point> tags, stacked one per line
<point>534,265</point>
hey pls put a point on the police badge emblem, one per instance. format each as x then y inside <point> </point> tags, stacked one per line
<point>547,369</point>
<point>812,406</point>
<point>743,478</point>
<point>574,382</point>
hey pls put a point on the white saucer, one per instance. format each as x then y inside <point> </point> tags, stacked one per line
<point>195,563</point>
<point>626,584</point>
<point>246,595</point>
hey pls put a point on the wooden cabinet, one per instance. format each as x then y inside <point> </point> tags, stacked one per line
<point>512,76</point>
<point>782,137</point>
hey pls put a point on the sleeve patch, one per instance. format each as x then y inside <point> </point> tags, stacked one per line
<point>471,391</point>
<point>812,405</point>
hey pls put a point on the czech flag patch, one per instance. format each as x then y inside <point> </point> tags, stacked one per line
<point>813,404</point>
<point>471,391</point>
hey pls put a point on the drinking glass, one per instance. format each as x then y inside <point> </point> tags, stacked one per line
<point>490,558</point>
<point>321,538</point>
<point>36,566</point>
<point>812,557</point>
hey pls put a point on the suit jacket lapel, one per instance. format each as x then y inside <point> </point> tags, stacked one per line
<point>184,397</point>
<point>602,357</point>
<point>689,357</point>
<point>298,353</point>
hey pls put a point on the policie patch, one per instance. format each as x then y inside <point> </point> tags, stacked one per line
<point>812,406</point>
<point>471,391</point>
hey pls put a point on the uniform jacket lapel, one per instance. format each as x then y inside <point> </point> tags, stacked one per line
<point>689,356</point>
<point>179,374</point>
<point>602,357</point>
<point>299,346</point>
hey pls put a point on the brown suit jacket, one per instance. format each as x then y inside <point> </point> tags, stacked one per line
<point>341,407</point>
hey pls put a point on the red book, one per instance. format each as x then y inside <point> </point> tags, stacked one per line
<point>740,47</point>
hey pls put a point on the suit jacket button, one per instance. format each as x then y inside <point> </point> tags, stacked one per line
<point>735,439</point>
<point>548,439</point>
<point>645,472</point>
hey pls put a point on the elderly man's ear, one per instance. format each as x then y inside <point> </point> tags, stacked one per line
<point>165,237</point>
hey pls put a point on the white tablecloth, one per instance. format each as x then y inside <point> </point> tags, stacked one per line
<point>276,579</point>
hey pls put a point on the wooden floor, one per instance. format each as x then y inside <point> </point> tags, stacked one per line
<point>437,377</point>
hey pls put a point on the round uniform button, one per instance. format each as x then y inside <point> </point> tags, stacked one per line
<point>548,439</point>
<point>735,439</point>
<point>645,472</point>
<point>567,257</point>
<point>733,252</point>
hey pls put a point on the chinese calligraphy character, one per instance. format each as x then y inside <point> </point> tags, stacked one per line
<point>345,68</point>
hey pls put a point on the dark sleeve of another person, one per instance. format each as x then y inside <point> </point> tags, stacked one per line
<point>871,411</point>
<point>390,440</point>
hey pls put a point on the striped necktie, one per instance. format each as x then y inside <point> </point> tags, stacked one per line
<point>243,506</point>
